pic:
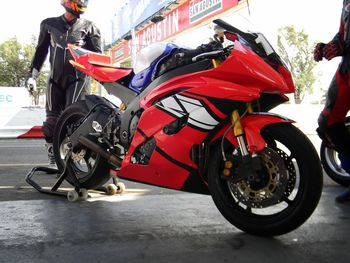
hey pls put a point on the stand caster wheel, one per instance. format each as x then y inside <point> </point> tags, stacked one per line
<point>111,189</point>
<point>121,188</point>
<point>84,195</point>
<point>72,196</point>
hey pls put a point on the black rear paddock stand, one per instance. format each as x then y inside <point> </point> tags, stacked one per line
<point>55,188</point>
<point>73,195</point>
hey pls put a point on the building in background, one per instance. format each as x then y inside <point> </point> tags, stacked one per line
<point>141,23</point>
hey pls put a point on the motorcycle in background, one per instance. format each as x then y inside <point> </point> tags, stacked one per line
<point>331,163</point>
<point>196,121</point>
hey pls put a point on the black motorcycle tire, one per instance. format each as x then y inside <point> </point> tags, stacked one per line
<point>298,210</point>
<point>97,173</point>
<point>331,163</point>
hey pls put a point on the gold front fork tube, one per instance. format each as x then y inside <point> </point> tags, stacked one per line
<point>238,129</point>
<point>215,62</point>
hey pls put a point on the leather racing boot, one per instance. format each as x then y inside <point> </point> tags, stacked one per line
<point>51,156</point>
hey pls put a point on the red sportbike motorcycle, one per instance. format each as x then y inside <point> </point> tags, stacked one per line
<point>197,121</point>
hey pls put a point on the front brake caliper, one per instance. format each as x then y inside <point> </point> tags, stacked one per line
<point>238,168</point>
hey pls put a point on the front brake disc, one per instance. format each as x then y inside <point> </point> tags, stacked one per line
<point>275,185</point>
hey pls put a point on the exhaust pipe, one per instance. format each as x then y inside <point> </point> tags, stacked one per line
<point>114,160</point>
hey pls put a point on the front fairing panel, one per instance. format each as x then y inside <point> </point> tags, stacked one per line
<point>246,68</point>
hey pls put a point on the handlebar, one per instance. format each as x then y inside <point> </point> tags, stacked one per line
<point>210,55</point>
<point>187,54</point>
<point>194,56</point>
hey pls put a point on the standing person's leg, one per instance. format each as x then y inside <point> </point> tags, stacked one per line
<point>54,106</point>
<point>332,120</point>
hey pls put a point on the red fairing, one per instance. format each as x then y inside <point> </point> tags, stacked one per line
<point>253,124</point>
<point>252,127</point>
<point>242,76</point>
<point>246,68</point>
<point>96,65</point>
<point>100,73</point>
<point>204,85</point>
<point>173,152</point>
<point>288,78</point>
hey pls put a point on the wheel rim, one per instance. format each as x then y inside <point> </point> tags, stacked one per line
<point>82,161</point>
<point>278,182</point>
<point>333,162</point>
<point>281,190</point>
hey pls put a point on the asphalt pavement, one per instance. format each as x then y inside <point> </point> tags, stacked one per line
<point>146,224</point>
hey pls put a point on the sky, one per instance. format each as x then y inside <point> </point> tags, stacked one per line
<point>318,18</point>
<point>24,22</point>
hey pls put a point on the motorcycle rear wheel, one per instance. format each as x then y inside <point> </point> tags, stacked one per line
<point>331,163</point>
<point>90,169</point>
<point>281,205</point>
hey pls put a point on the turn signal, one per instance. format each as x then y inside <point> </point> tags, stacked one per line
<point>226,172</point>
<point>228,164</point>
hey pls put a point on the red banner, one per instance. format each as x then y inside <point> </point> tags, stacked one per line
<point>184,17</point>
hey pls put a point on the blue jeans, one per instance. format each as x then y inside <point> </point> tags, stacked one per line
<point>345,162</point>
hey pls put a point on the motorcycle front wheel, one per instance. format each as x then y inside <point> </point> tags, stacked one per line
<point>287,192</point>
<point>85,167</point>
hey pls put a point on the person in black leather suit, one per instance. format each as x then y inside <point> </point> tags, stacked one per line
<point>66,85</point>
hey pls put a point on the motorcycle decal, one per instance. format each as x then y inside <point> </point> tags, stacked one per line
<point>220,107</point>
<point>200,117</point>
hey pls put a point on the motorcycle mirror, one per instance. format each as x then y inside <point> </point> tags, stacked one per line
<point>219,38</point>
<point>218,30</point>
<point>219,34</point>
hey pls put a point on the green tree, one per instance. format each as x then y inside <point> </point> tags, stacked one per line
<point>15,60</point>
<point>294,48</point>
